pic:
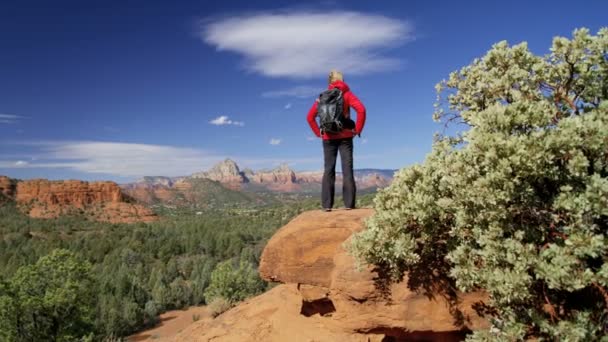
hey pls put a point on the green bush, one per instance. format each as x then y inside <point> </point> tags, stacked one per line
<point>233,284</point>
<point>218,306</point>
<point>51,300</point>
<point>517,203</point>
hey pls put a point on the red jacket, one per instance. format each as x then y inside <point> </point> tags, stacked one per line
<point>350,100</point>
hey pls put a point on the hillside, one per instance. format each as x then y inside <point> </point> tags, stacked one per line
<point>198,193</point>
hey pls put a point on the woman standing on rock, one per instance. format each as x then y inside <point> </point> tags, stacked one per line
<point>337,130</point>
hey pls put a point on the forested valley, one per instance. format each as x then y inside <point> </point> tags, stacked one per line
<point>114,279</point>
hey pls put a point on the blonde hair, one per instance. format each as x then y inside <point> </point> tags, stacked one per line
<point>334,76</point>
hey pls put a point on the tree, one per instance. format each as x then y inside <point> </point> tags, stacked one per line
<point>8,313</point>
<point>50,300</point>
<point>516,204</point>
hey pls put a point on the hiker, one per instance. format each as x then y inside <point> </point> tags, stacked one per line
<point>337,130</point>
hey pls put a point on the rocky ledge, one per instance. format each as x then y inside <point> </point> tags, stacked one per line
<point>323,297</point>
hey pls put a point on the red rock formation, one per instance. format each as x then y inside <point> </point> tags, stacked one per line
<point>325,298</point>
<point>102,201</point>
<point>75,193</point>
<point>7,188</point>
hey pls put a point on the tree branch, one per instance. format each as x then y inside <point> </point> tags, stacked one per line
<point>602,291</point>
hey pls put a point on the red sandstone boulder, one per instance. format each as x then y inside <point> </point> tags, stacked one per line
<point>302,252</point>
<point>309,251</point>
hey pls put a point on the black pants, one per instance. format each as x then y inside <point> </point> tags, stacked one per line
<point>330,152</point>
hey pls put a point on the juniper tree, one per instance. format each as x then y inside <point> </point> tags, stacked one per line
<point>51,300</point>
<point>516,202</point>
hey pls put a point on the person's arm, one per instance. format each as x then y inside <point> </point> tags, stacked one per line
<point>360,109</point>
<point>312,121</point>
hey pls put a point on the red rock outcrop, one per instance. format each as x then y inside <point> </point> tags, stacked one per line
<point>325,297</point>
<point>102,201</point>
<point>71,192</point>
<point>7,188</point>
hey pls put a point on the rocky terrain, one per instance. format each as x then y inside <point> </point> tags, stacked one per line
<point>100,201</point>
<point>323,297</point>
<point>281,179</point>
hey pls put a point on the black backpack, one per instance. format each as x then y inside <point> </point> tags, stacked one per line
<point>331,111</point>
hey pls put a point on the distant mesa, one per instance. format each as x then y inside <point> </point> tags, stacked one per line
<point>226,172</point>
<point>99,201</point>
<point>279,179</point>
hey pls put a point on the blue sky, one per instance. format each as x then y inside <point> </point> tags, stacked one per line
<point>121,89</point>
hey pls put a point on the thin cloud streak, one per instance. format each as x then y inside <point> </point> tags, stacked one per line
<point>302,92</point>
<point>115,158</point>
<point>10,118</point>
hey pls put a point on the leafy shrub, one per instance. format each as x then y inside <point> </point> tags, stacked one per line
<point>517,203</point>
<point>233,284</point>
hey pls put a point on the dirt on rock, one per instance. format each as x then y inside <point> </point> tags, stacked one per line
<point>171,323</point>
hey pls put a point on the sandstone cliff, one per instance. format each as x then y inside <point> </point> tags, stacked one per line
<point>7,188</point>
<point>101,201</point>
<point>324,298</point>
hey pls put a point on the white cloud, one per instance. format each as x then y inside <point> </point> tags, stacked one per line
<point>287,106</point>
<point>364,141</point>
<point>115,158</point>
<point>224,120</point>
<point>275,141</point>
<point>309,44</point>
<point>302,91</point>
<point>9,118</point>
<point>311,138</point>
